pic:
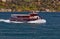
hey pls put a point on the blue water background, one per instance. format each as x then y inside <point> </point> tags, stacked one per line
<point>48,30</point>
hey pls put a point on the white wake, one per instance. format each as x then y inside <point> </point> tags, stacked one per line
<point>8,21</point>
<point>4,20</point>
<point>36,21</point>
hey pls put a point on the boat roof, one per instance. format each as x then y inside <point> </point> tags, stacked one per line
<point>22,14</point>
<point>19,14</point>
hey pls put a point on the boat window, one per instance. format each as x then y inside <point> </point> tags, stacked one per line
<point>33,14</point>
<point>18,16</point>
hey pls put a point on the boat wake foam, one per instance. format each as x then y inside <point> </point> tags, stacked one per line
<point>36,21</point>
<point>4,20</point>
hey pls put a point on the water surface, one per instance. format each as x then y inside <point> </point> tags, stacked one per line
<point>48,30</point>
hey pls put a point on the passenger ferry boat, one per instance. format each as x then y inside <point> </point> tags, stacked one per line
<point>25,17</point>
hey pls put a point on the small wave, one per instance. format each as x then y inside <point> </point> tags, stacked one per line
<point>36,21</point>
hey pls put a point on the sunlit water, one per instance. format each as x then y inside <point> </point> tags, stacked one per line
<point>48,30</point>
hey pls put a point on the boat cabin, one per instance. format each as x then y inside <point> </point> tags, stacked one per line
<point>24,17</point>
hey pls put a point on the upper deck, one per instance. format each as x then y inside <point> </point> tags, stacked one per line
<point>19,14</point>
<point>30,14</point>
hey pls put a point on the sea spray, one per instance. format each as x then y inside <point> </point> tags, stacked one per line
<point>36,21</point>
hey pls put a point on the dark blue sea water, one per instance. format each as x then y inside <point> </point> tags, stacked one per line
<point>48,30</point>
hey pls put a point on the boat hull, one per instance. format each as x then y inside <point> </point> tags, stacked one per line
<point>23,19</point>
<point>34,21</point>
